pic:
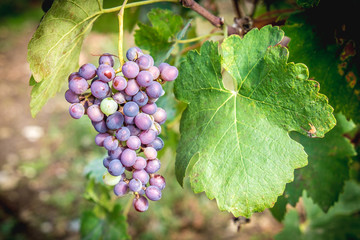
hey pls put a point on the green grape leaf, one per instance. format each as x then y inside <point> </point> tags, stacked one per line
<point>160,37</point>
<point>112,226</point>
<point>235,145</point>
<point>308,3</point>
<point>333,66</point>
<point>53,51</point>
<point>328,157</point>
<point>95,170</point>
<point>291,227</point>
<point>279,209</point>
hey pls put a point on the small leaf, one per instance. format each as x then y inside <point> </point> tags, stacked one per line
<point>159,38</point>
<point>95,169</point>
<point>245,155</point>
<point>53,51</point>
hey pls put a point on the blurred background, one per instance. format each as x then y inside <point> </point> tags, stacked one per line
<point>43,160</point>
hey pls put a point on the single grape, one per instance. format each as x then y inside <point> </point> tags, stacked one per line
<point>73,75</point>
<point>122,134</point>
<point>143,121</point>
<point>128,157</point>
<point>99,89</point>
<point>162,66</point>
<point>76,110</point>
<point>153,166</point>
<point>111,180</point>
<point>135,185</point>
<point>106,161</point>
<point>160,115</point>
<point>71,97</point>
<point>149,108</point>
<point>141,98</point>
<point>153,193</point>
<point>141,204</point>
<point>99,139</point>
<point>154,90</point>
<point>133,143</point>
<point>169,73</point>
<point>110,143</point>
<point>147,136</point>
<point>119,83</point>
<point>106,58</point>
<point>145,62</point>
<point>94,113</point>
<point>116,168</point>
<point>105,72</point>
<point>78,85</point>
<point>130,70</point>
<point>142,175</point>
<point>154,71</point>
<point>156,127</point>
<point>158,180</point>
<point>121,189</point>
<point>100,126</point>
<point>133,53</point>
<point>134,131</point>
<point>108,106</point>
<point>144,78</point>
<point>115,154</point>
<point>129,120</point>
<point>140,163</point>
<point>158,144</point>
<point>115,121</point>
<point>131,109</point>
<point>150,153</point>
<point>87,71</point>
<point>132,88</point>
<point>119,98</point>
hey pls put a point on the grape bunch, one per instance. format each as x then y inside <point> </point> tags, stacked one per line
<point>122,108</point>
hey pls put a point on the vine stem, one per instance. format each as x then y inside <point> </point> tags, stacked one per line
<point>199,38</point>
<point>135,4</point>
<point>121,33</point>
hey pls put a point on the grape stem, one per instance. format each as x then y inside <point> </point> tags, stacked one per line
<point>121,33</point>
<point>135,4</point>
<point>198,38</point>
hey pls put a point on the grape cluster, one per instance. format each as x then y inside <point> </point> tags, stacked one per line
<point>122,108</point>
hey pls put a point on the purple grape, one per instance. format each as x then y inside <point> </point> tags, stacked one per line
<point>87,71</point>
<point>121,189</point>
<point>135,185</point>
<point>154,90</point>
<point>143,121</point>
<point>129,120</point>
<point>106,58</point>
<point>78,85</point>
<point>154,71</point>
<point>150,153</point>
<point>169,73</point>
<point>111,143</point>
<point>99,89</point>
<point>145,62</point>
<point>147,136</point>
<point>73,75</point>
<point>119,98</point>
<point>141,204</point>
<point>133,143</point>
<point>133,53</point>
<point>132,88</point>
<point>140,98</point>
<point>153,193</point>
<point>142,191</point>
<point>99,139</point>
<point>116,168</point>
<point>123,134</point>
<point>116,153</point>
<point>134,131</point>
<point>158,180</point>
<point>142,175</point>
<point>131,109</point>
<point>71,97</point>
<point>162,66</point>
<point>158,144</point>
<point>160,115</point>
<point>144,78</point>
<point>153,166</point>
<point>105,72</point>
<point>100,126</point>
<point>76,110</point>
<point>153,100</point>
<point>156,127</point>
<point>115,121</point>
<point>119,83</point>
<point>140,163</point>
<point>94,113</point>
<point>106,161</point>
<point>128,157</point>
<point>130,70</point>
<point>149,108</point>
